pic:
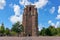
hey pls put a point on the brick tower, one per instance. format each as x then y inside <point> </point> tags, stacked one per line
<point>30,21</point>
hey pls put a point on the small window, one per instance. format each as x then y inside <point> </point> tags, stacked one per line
<point>29,8</point>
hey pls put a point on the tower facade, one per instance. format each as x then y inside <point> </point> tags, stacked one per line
<point>30,21</point>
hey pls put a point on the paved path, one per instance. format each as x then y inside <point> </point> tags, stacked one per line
<point>30,38</point>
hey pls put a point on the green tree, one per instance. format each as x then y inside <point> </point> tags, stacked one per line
<point>7,31</point>
<point>51,31</point>
<point>13,33</point>
<point>58,31</point>
<point>2,30</point>
<point>17,27</point>
<point>48,32</point>
<point>43,32</point>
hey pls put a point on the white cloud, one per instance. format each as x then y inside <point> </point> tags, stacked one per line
<point>54,24</point>
<point>58,17</point>
<point>52,10</point>
<point>39,4</point>
<point>59,9</point>
<point>17,16</point>
<point>16,9</point>
<point>2,4</point>
<point>57,24</point>
<point>40,26</point>
<point>49,21</point>
<point>24,2</point>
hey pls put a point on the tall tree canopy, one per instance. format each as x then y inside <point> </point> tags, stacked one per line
<point>17,27</point>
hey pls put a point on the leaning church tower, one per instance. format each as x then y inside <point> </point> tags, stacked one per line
<point>30,21</point>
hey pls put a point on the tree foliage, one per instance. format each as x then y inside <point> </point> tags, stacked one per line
<point>43,32</point>
<point>7,31</point>
<point>2,29</point>
<point>17,27</point>
<point>50,31</point>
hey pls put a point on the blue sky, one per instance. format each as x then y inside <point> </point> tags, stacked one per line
<point>48,12</point>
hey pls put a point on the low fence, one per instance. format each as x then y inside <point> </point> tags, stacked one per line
<point>31,38</point>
